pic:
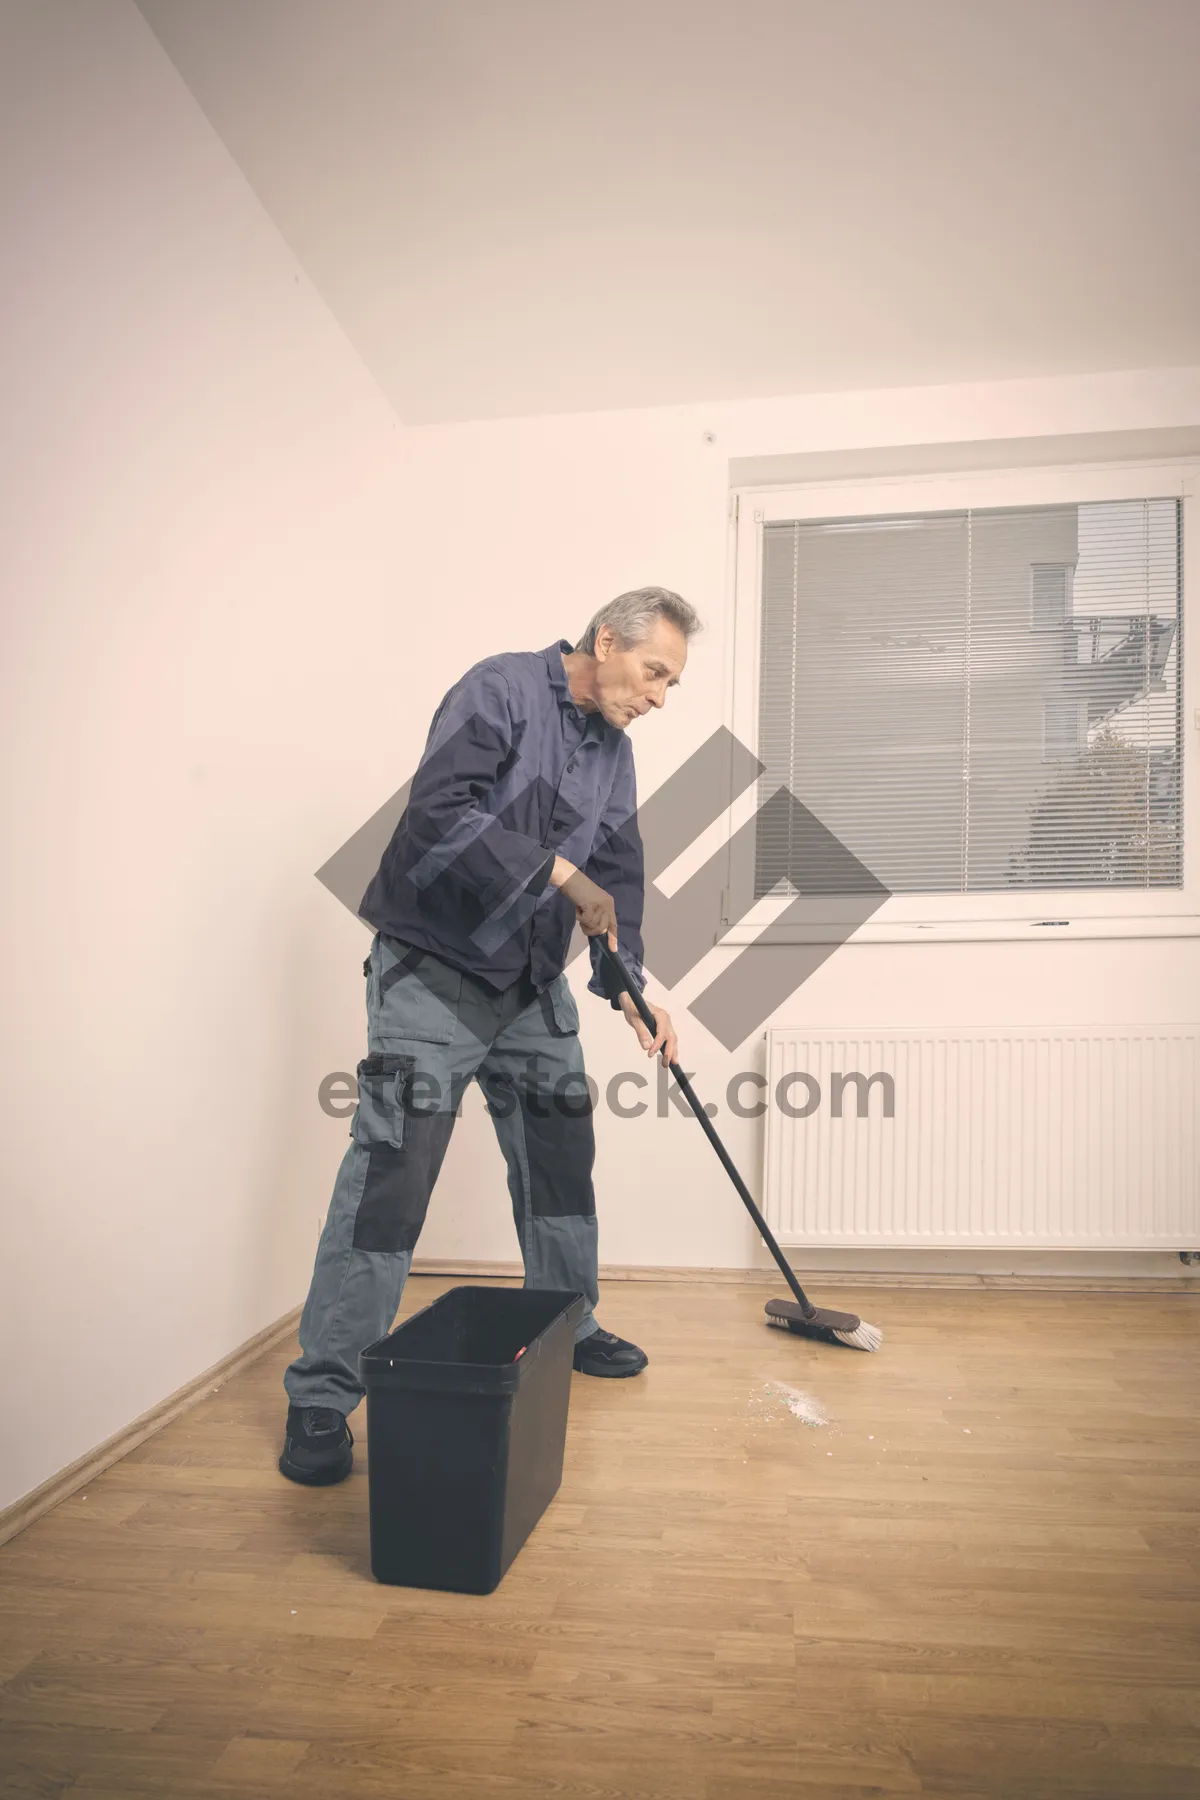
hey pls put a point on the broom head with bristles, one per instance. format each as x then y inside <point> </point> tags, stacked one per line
<point>829,1327</point>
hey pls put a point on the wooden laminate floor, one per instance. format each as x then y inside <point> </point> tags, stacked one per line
<point>980,1580</point>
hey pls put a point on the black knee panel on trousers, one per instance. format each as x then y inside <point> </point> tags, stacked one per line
<point>396,1192</point>
<point>560,1146</point>
<point>404,1150</point>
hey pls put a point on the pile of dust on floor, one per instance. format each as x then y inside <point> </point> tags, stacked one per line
<point>805,1407</point>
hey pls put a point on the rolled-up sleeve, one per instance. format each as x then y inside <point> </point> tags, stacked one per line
<point>617,864</point>
<point>472,742</point>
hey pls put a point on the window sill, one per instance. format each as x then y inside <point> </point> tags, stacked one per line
<point>966,931</point>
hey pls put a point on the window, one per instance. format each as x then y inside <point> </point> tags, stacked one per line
<point>976,700</point>
<point>1050,595</point>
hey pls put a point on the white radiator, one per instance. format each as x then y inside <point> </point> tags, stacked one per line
<point>1046,1138</point>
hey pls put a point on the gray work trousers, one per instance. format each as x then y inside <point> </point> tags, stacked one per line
<point>430,1031</point>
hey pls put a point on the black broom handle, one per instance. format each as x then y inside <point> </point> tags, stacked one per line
<point>617,965</point>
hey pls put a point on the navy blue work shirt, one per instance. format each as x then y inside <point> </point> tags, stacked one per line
<point>513,773</point>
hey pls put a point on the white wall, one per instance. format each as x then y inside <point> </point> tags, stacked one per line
<point>201,546</point>
<point>233,589</point>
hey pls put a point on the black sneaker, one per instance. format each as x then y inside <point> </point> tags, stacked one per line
<point>316,1446</point>
<point>603,1354</point>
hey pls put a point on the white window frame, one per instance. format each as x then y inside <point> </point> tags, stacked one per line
<point>1029,915</point>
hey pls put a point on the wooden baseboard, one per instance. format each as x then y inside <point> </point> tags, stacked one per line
<point>1028,1284</point>
<point>31,1506</point>
<point>513,1271</point>
<point>832,1280</point>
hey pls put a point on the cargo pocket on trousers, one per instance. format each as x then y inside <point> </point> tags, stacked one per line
<point>559,1009</point>
<point>395,1194</point>
<point>384,1086</point>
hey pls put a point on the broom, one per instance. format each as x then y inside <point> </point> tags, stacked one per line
<point>798,1314</point>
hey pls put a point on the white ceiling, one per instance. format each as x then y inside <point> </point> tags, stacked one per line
<point>534,206</point>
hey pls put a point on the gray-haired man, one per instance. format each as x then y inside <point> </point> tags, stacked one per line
<point>521,822</point>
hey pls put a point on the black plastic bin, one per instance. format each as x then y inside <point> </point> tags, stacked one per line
<point>465,1439</point>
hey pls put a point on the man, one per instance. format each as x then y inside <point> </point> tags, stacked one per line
<point>521,821</point>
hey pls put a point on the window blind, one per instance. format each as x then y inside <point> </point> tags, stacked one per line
<point>977,700</point>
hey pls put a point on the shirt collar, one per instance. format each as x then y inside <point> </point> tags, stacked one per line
<point>554,654</point>
<point>595,723</point>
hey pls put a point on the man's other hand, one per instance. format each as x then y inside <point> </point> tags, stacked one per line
<point>594,909</point>
<point>664,1039</point>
